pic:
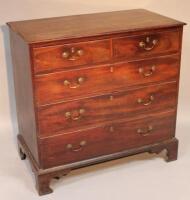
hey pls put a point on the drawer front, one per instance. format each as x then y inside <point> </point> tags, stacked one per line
<point>151,44</point>
<point>107,139</point>
<point>62,86</point>
<point>74,115</point>
<point>52,58</point>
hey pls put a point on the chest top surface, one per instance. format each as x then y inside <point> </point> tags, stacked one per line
<point>77,26</point>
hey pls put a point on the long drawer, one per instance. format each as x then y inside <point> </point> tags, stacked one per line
<point>107,139</point>
<point>62,86</point>
<point>79,114</point>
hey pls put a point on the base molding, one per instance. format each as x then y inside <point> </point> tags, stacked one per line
<point>44,176</point>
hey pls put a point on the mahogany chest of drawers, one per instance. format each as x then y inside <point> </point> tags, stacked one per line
<point>95,87</point>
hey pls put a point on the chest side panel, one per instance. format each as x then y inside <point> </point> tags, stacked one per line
<point>24,92</point>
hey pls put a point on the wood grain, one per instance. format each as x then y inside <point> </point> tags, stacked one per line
<point>128,47</point>
<point>47,59</point>
<point>101,109</point>
<point>50,87</point>
<point>96,87</point>
<point>24,93</point>
<point>41,30</point>
<point>44,176</point>
<point>101,141</point>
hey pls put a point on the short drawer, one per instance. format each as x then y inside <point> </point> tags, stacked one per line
<point>79,114</point>
<point>57,57</point>
<point>63,86</point>
<point>107,139</point>
<point>151,44</point>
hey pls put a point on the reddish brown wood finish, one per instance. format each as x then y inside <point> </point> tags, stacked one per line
<point>125,59</point>
<point>97,24</point>
<point>50,58</point>
<point>129,47</point>
<point>172,150</point>
<point>107,139</point>
<point>101,109</point>
<point>24,92</point>
<point>43,177</point>
<point>50,88</point>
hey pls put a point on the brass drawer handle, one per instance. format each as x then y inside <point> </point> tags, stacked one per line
<point>75,115</point>
<point>146,102</point>
<point>148,73</point>
<point>73,54</point>
<point>82,144</point>
<point>148,44</point>
<point>146,131</point>
<point>80,80</point>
